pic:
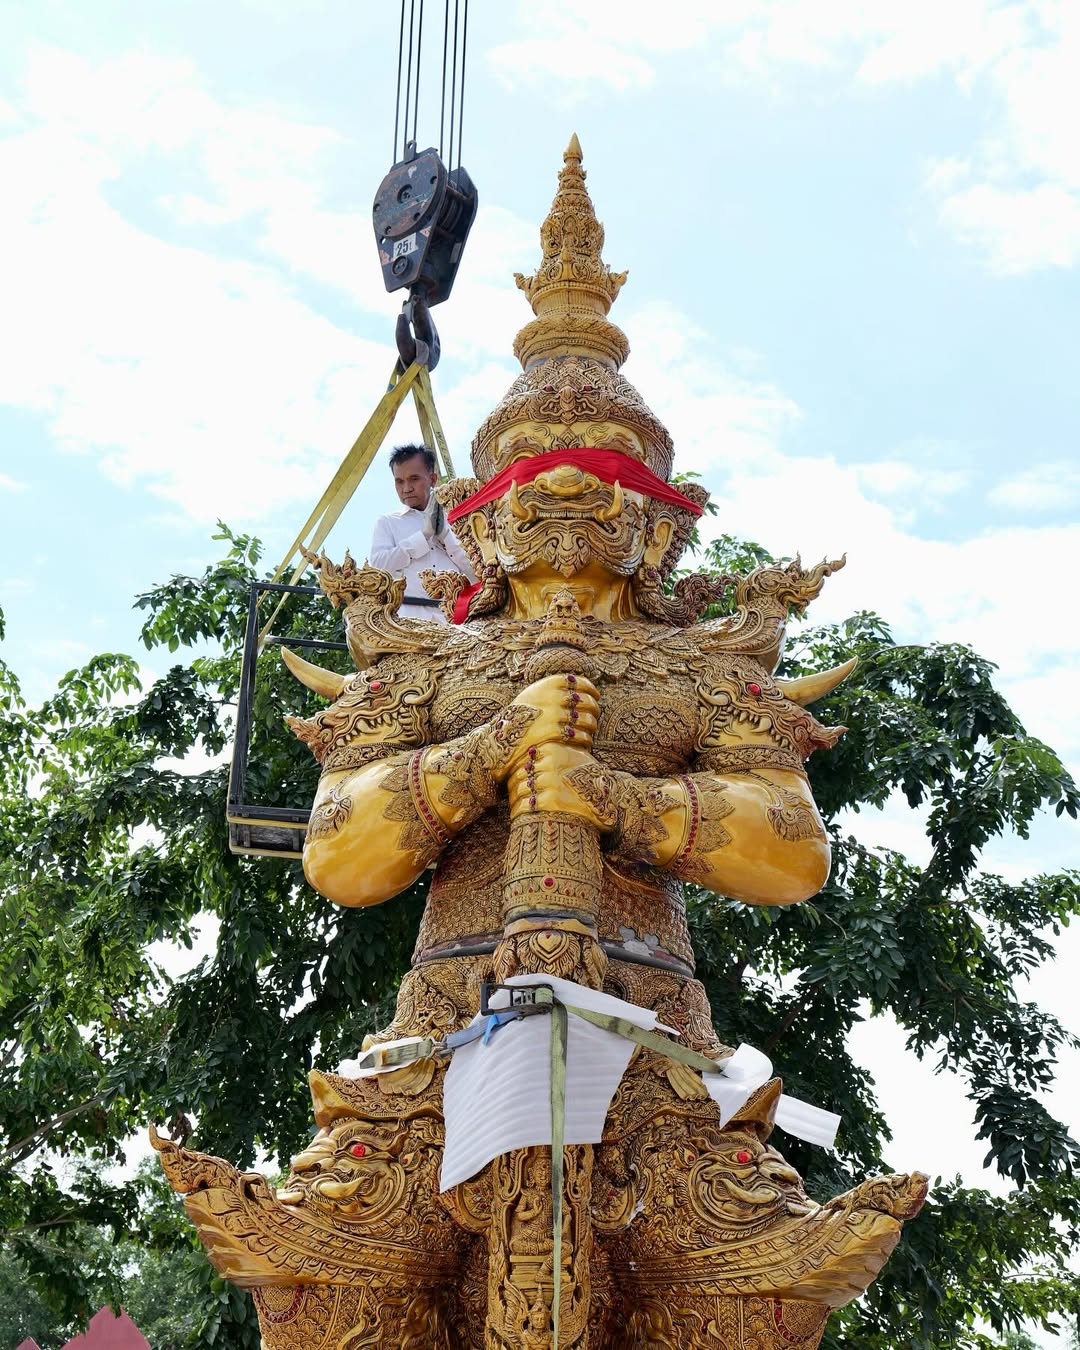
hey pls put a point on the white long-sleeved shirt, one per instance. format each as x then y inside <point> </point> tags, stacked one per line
<point>398,545</point>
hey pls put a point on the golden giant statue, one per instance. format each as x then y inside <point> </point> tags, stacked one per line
<point>564,754</point>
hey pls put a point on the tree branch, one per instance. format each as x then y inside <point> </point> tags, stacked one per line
<point>22,1148</point>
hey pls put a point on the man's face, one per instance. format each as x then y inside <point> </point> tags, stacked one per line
<point>414,481</point>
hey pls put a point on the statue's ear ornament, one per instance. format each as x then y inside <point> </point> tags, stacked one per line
<point>763,600</point>
<point>681,519</point>
<point>450,495</point>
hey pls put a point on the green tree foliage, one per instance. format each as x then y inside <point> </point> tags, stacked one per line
<point>113,855</point>
<point>165,1286</point>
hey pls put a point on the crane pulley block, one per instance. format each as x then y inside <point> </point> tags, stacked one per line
<point>422,216</point>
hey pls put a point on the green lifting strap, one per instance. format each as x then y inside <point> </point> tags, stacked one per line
<point>558,1133</point>
<point>619,1026</point>
<point>650,1039</point>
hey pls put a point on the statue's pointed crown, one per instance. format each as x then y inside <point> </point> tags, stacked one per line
<point>573,288</point>
<point>570,353</point>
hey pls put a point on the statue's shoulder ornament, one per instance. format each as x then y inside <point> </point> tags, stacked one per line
<point>385,706</point>
<point>763,600</point>
<point>733,661</point>
<point>369,599</point>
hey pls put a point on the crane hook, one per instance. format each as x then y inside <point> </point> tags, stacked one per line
<point>416,334</point>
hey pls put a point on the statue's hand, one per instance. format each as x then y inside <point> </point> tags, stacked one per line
<point>466,773</point>
<point>641,818</point>
<point>566,708</point>
<point>542,782</point>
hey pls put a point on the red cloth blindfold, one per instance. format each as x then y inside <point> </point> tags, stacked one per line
<point>607,465</point>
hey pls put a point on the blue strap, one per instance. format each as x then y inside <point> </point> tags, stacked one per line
<point>481,1031</point>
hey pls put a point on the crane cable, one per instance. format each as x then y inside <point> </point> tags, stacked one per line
<point>452,90</point>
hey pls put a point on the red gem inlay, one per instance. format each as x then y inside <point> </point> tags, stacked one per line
<point>549,881</point>
<point>755,689</point>
<point>358,1150</point>
<point>742,1156</point>
<point>376,685</point>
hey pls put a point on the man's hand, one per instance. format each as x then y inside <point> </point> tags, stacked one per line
<point>434,524</point>
<point>430,520</point>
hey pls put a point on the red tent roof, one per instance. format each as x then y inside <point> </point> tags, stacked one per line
<point>107,1332</point>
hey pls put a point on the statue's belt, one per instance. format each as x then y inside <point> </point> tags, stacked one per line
<point>526,997</point>
<point>635,951</point>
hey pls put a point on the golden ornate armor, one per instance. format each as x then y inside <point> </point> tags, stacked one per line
<point>562,755</point>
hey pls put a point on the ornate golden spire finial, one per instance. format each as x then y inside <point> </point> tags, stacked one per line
<point>573,288</point>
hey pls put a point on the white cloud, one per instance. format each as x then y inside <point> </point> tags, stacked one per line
<point>1016,200</point>
<point>1016,229</point>
<point>713,409</point>
<point>899,479</point>
<point>1040,699</point>
<point>1045,487</point>
<point>887,42</point>
<point>9,484</point>
<point>577,63</point>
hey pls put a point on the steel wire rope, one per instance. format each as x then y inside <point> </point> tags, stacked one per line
<point>397,97</point>
<point>408,71</point>
<point>461,106</point>
<point>419,64</point>
<point>453,91</point>
<point>442,97</point>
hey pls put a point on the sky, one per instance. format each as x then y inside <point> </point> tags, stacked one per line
<point>853,238</point>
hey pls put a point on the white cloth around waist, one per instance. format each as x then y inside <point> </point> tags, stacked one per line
<point>497,1097</point>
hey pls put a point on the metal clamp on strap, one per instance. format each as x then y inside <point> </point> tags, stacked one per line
<point>524,1002</point>
<point>394,1054</point>
<point>525,999</point>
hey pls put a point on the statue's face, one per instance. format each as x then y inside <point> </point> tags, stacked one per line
<point>566,520</point>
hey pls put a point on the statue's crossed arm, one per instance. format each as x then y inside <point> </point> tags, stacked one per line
<point>388,803</point>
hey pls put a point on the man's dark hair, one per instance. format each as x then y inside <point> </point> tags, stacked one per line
<point>404,452</point>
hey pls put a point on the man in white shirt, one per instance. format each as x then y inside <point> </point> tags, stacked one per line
<point>416,538</point>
